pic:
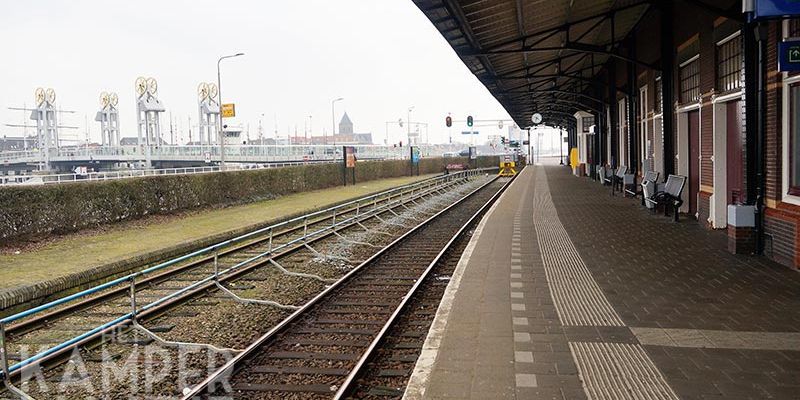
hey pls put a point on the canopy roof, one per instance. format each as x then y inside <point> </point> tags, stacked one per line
<point>536,55</point>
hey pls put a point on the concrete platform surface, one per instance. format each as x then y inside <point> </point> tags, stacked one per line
<point>566,292</point>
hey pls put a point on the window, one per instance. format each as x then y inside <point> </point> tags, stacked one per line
<point>794,139</point>
<point>794,27</point>
<point>690,81</point>
<point>729,64</point>
<point>659,96</point>
<point>587,122</point>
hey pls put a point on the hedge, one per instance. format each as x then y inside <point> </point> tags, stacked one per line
<point>31,211</point>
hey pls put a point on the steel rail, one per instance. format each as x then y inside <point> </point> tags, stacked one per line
<point>159,306</point>
<point>346,387</point>
<point>280,327</point>
<point>354,207</point>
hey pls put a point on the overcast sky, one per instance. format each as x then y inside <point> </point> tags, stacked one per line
<point>382,56</point>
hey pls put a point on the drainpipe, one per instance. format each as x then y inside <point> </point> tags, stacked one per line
<point>754,35</point>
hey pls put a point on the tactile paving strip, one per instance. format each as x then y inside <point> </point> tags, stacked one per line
<point>577,298</point>
<point>619,371</point>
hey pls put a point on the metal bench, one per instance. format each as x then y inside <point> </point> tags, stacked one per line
<point>618,178</point>
<point>671,195</point>
<point>648,185</point>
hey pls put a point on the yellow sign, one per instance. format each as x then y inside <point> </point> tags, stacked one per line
<point>507,168</point>
<point>573,157</point>
<point>228,110</point>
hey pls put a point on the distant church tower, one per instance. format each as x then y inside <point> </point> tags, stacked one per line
<point>346,126</point>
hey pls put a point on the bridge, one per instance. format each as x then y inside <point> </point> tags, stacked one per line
<point>66,158</point>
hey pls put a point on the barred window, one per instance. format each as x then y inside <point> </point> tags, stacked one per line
<point>729,65</point>
<point>794,27</point>
<point>587,122</point>
<point>690,82</point>
<point>659,95</point>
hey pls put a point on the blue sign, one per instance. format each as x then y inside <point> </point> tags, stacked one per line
<point>789,56</point>
<point>415,156</point>
<point>776,8</point>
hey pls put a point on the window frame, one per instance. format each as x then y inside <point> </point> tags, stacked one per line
<point>732,62</point>
<point>584,126</point>
<point>693,79</point>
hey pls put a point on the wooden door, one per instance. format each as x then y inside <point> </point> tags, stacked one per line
<point>734,159</point>
<point>694,160</point>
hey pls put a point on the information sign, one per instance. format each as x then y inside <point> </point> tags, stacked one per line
<point>228,110</point>
<point>415,155</point>
<point>776,8</point>
<point>789,56</point>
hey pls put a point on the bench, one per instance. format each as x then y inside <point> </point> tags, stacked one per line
<point>603,174</point>
<point>618,178</point>
<point>671,195</point>
<point>648,183</point>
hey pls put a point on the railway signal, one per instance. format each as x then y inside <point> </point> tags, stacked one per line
<point>448,121</point>
<point>469,121</point>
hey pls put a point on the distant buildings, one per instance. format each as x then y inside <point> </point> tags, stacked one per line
<point>345,136</point>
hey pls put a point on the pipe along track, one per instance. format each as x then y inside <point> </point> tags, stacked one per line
<point>320,349</point>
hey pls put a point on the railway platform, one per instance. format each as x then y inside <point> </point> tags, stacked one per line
<point>566,292</point>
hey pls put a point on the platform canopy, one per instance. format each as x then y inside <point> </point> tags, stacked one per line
<point>537,55</point>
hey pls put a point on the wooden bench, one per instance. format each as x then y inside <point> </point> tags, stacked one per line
<point>670,196</point>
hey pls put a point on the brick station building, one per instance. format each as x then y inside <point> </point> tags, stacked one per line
<point>670,86</point>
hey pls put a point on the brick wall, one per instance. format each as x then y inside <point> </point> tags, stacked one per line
<point>781,237</point>
<point>708,70</point>
<point>772,149</point>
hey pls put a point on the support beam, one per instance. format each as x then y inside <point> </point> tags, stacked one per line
<point>612,126</point>
<point>633,127</point>
<point>668,87</point>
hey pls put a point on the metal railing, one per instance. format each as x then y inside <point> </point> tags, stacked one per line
<point>241,153</point>
<point>138,173</point>
<point>389,198</point>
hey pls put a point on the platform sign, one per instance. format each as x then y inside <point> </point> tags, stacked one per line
<point>776,8</point>
<point>349,157</point>
<point>349,153</point>
<point>473,153</point>
<point>415,155</point>
<point>789,56</point>
<point>228,110</point>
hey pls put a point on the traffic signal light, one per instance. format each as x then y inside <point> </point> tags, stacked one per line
<point>469,121</point>
<point>448,121</point>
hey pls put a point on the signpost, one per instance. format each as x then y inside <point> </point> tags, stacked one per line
<point>349,162</point>
<point>228,110</point>
<point>415,156</point>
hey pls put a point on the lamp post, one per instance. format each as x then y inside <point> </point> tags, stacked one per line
<point>408,121</point>
<point>333,120</point>
<point>221,134</point>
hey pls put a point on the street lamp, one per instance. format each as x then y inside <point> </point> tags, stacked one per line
<point>333,120</point>
<point>409,124</point>
<point>310,128</point>
<point>221,134</point>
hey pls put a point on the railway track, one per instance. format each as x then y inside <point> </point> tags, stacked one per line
<point>321,349</point>
<point>88,313</point>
